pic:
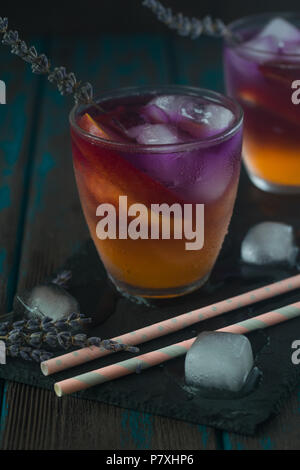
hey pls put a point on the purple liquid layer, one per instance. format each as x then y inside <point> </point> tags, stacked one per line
<point>201,174</point>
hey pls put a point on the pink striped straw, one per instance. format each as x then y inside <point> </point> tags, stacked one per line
<point>145,361</point>
<point>165,327</point>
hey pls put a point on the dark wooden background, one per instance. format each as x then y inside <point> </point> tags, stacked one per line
<point>119,16</point>
<point>40,216</point>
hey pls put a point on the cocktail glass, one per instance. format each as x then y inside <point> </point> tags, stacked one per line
<point>188,171</point>
<point>259,73</point>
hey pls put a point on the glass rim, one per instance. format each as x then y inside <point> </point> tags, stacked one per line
<point>214,97</point>
<point>231,41</point>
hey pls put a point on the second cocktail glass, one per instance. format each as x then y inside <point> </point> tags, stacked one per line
<point>262,61</point>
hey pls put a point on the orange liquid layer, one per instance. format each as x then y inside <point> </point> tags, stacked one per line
<point>278,164</point>
<point>271,147</point>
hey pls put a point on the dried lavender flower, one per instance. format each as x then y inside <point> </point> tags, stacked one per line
<point>3,25</point>
<point>80,340</point>
<point>66,83</point>
<point>45,325</point>
<point>64,339</point>
<point>190,27</point>
<point>73,321</point>
<point>25,338</point>
<point>28,354</point>
<point>13,350</point>
<point>35,339</point>
<point>18,324</point>
<point>94,341</point>
<point>15,336</point>
<point>50,339</point>
<point>112,345</point>
<point>32,325</point>
<point>25,353</point>
<point>4,327</point>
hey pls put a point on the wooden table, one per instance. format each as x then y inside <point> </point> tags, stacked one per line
<point>42,224</point>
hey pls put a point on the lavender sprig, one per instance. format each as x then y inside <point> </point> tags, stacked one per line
<point>61,339</point>
<point>28,354</point>
<point>190,27</point>
<point>46,324</point>
<point>66,83</point>
<point>111,345</point>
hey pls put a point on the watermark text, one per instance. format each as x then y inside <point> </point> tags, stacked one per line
<point>296,93</point>
<point>2,92</point>
<point>2,353</point>
<point>177,221</point>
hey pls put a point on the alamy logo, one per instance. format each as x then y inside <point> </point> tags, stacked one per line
<point>296,94</point>
<point>2,92</point>
<point>187,221</point>
<point>2,353</point>
<point>296,354</point>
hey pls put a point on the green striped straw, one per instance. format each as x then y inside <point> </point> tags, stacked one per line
<point>145,361</point>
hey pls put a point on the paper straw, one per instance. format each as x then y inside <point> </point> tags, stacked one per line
<point>145,361</point>
<point>165,327</point>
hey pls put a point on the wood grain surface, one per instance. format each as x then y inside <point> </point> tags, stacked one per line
<point>42,224</point>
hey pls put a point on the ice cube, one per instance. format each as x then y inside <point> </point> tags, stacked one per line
<point>280,29</point>
<point>193,115</point>
<point>49,300</point>
<point>170,104</point>
<point>154,134</point>
<point>217,117</point>
<point>263,44</point>
<point>219,361</point>
<point>269,243</point>
<point>154,114</point>
<point>272,40</point>
<point>292,47</point>
<point>204,120</point>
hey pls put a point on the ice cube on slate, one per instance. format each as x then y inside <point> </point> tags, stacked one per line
<point>281,29</point>
<point>154,134</point>
<point>48,300</point>
<point>269,243</point>
<point>220,361</point>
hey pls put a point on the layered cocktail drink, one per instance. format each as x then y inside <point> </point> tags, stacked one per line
<point>157,171</point>
<point>262,71</point>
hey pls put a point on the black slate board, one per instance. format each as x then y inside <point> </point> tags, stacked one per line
<point>161,390</point>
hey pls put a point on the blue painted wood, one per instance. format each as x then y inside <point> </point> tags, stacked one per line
<point>282,432</point>
<point>197,63</point>
<point>3,408</point>
<point>136,429</point>
<point>16,142</point>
